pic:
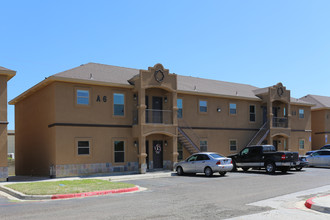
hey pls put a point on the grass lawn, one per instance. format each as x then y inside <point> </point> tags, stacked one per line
<point>67,186</point>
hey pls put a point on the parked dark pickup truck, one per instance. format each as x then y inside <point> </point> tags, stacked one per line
<point>265,156</point>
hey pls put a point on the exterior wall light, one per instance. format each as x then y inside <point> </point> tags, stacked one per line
<point>218,109</point>
<point>165,99</point>
<point>136,144</point>
<point>134,97</point>
<point>165,143</point>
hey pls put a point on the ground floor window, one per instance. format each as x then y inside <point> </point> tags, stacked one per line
<point>233,145</point>
<point>83,147</point>
<point>180,152</point>
<point>203,145</point>
<point>119,151</point>
<point>301,144</point>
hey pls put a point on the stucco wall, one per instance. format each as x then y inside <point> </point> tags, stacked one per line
<point>34,140</point>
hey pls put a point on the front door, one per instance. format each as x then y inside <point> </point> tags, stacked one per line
<point>157,107</point>
<point>147,151</point>
<point>157,147</point>
<point>275,143</point>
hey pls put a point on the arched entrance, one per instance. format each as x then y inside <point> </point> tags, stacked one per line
<point>281,142</point>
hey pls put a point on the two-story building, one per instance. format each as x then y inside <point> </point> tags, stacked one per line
<point>320,120</point>
<point>5,75</point>
<point>99,118</point>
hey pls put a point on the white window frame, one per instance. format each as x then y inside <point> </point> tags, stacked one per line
<point>303,144</point>
<point>232,108</point>
<point>199,106</point>
<point>254,113</point>
<point>180,108</point>
<point>204,145</point>
<point>124,107</point>
<point>82,97</point>
<point>114,151</point>
<point>301,115</point>
<point>230,145</point>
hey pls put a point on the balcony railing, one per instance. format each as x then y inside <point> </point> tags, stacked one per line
<point>280,122</point>
<point>154,116</point>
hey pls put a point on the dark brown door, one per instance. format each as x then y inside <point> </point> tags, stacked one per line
<point>157,107</point>
<point>147,151</point>
<point>157,147</point>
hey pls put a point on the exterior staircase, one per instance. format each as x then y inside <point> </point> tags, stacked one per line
<point>188,138</point>
<point>260,136</point>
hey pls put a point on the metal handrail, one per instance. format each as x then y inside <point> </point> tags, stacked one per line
<point>263,127</point>
<point>192,135</point>
<point>280,122</point>
<point>189,140</point>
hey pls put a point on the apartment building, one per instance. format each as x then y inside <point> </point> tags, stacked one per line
<point>99,118</point>
<point>320,120</point>
<point>5,76</point>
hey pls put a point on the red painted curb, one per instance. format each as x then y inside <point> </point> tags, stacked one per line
<point>97,193</point>
<point>309,202</point>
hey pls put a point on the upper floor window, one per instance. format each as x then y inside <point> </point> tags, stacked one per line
<point>252,113</point>
<point>118,104</point>
<point>232,109</point>
<point>82,97</point>
<point>301,113</point>
<point>179,104</point>
<point>119,152</point>
<point>202,106</point>
<point>301,144</point>
<point>203,145</point>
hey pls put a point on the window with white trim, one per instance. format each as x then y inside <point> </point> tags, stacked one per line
<point>83,147</point>
<point>232,145</point>
<point>252,113</point>
<point>179,105</point>
<point>232,108</point>
<point>118,104</point>
<point>301,144</point>
<point>202,106</point>
<point>82,97</point>
<point>203,145</point>
<point>301,113</point>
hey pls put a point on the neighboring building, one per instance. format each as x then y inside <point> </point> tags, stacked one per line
<point>11,144</point>
<point>320,120</point>
<point>100,119</point>
<point>5,75</point>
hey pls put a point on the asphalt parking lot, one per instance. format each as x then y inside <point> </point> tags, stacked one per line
<point>179,197</point>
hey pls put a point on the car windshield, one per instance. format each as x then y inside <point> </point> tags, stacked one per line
<point>216,156</point>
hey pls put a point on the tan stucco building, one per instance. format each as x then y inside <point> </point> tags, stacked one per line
<point>99,118</point>
<point>5,76</point>
<point>320,120</point>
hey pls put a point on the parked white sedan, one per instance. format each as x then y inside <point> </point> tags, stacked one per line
<point>319,158</point>
<point>205,162</point>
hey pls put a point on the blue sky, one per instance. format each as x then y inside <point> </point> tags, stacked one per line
<point>254,42</point>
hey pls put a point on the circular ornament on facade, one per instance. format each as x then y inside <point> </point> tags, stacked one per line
<point>157,148</point>
<point>159,75</point>
<point>280,91</point>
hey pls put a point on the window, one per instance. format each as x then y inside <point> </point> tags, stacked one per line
<point>202,106</point>
<point>179,104</point>
<point>82,97</point>
<point>301,113</point>
<point>232,109</point>
<point>180,151</point>
<point>118,104</point>
<point>233,145</point>
<point>203,145</point>
<point>301,144</point>
<point>83,147</point>
<point>252,113</point>
<point>119,152</point>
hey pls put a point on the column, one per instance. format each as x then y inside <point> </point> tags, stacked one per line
<point>142,156</point>
<point>175,150</point>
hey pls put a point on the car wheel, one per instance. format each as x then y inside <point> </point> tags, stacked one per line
<point>298,168</point>
<point>179,171</point>
<point>245,169</point>
<point>234,166</point>
<point>222,173</point>
<point>270,167</point>
<point>208,171</point>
